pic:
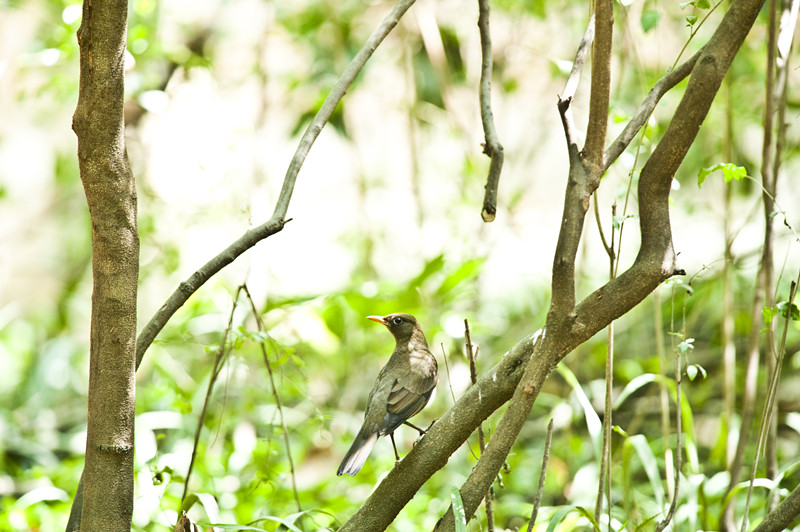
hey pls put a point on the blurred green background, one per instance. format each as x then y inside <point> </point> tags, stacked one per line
<point>386,218</point>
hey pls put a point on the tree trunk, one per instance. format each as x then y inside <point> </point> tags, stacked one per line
<point>111,196</point>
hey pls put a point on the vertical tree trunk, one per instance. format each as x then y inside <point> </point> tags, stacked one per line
<point>111,197</point>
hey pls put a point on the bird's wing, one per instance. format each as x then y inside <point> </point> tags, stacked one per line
<point>409,395</point>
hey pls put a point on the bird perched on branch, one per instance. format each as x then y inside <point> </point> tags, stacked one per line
<point>403,388</point>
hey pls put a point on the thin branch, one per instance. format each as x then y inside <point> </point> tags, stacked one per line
<point>605,453</point>
<point>275,395</point>
<point>537,498</point>
<point>769,407</point>
<point>215,371</point>
<point>278,219</point>
<point>678,431</point>
<point>646,109</point>
<point>491,146</point>
<point>565,99</point>
<point>473,377</point>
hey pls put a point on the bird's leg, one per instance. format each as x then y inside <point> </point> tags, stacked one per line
<point>396,456</point>
<point>421,431</point>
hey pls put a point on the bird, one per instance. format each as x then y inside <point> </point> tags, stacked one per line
<point>402,389</point>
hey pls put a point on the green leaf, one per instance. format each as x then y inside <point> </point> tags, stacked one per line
<point>703,4</point>
<point>691,19</point>
<point>768,313</point>
<point>459,515</point>
<point>650,20</point>
<point>684,5</point>
<point>792,312</point>
<point>729,170</point>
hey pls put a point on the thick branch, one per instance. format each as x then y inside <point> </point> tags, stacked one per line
<point>783,515</point>
<point>600,87</point>
<point>491,146</point>
<point>278,219</point>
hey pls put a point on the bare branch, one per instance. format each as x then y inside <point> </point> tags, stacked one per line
<point>278,219</point>
<point>782,516</point>
<point>219,359</point>
<point>274,389</point>
<point>537,498</point>
<point>473,376</point>
<point>565,99</point>
<point>491,146</point>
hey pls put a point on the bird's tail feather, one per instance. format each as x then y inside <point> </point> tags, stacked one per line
<point>354,459</point>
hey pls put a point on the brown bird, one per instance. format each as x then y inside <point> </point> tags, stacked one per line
<point>403,388</point>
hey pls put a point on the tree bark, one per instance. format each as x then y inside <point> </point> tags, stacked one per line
<point>111,197</point>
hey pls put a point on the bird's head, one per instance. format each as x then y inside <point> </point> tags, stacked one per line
<point>402,326</point>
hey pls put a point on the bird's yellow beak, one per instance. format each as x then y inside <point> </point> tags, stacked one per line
<point>379,319</point>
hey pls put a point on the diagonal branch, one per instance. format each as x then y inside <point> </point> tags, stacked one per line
<point>278,220</point>
<point>646,109</point>
<point>491,146</point>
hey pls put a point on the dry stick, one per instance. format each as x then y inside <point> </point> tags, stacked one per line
<point>491,145</point>
<point>767,416</point>
<point>221,354</point>
<point>275,395</point>
<point>276,223</point>
<point>473,376</point>
<point>537,498</point>
<point>605,453</point>
<point>678,425</point>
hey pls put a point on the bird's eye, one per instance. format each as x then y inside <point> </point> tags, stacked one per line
<point>398,320</point>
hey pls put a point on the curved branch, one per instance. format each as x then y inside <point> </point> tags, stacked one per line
<point>278,220</point>
<point>491,146</point>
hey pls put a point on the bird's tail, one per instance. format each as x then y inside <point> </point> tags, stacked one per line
<point>354,459</point>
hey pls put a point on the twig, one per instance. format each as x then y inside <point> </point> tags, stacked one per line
<point>604,486</point>
<point>275,395</point>
<point>220,357</point>
<point>678,429</point>
<point>772,392</point>
<point>537,498</point>
<point>251,237</point>
<point>473,376</point>
<point>491,146</point>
